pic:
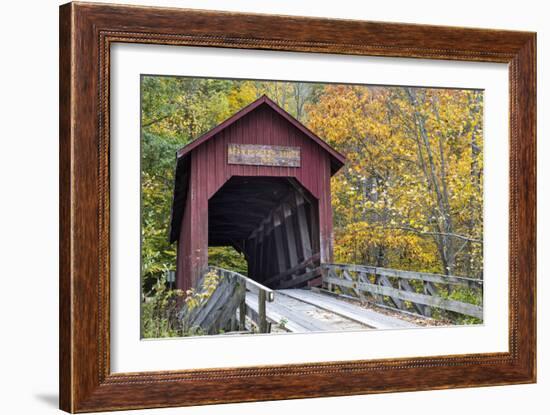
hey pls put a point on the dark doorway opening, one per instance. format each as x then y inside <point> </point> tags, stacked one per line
<point>272,221</point>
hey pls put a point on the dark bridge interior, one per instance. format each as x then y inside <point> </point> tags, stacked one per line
<point>274,222</point>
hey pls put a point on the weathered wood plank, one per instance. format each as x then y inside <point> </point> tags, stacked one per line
<point>279,247</point>
<point>272,316</point>
<point>260,263</point>
<point>300,279</point>
<point>355,299</point>
<point>345,275</point>
<point>383,280</point>
<point>406,287</point>
<point>218,310</point>
<point>429,289</point>
<point>451,305</point>
<point>290,240</point>
<point>255,287</point>
<point>364,316</point>
<point>242,313</point>
<point>303,229</point>
<point>261,311</point>
<point>215,306</point>
<point>251,285</point>
<point>195,316</point>
<point>276,313</point>
<point>252,313</point>
<point>224,318</point>
<point>294,270</point>
<point>410,275</point>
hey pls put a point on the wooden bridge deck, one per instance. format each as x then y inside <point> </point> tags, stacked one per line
<point>294,308</point>
<point>303,310</point>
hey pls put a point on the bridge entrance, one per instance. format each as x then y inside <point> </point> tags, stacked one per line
<point>259,181</point>
<point>273,222</point>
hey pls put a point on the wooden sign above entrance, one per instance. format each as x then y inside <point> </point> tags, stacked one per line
<point>263,155</point>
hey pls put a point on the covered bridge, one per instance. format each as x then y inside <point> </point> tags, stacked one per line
<point>260,182</point>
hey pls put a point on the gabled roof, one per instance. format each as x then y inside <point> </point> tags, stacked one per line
<point>182,173</point>
<point>337,159</point>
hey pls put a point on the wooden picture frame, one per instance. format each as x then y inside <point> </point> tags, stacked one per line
<point>86,33</point>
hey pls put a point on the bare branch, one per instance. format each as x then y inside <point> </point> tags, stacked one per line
<point>453,235</point>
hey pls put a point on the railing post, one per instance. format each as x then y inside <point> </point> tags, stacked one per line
<point>325,272</point>
<point>261,311</point>
<point>242,305</point>
<point>264,295</point>
<point>234,326</point>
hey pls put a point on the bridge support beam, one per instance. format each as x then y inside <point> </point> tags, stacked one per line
<point>283,240</point>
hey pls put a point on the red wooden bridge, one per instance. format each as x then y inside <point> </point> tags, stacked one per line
<point>260,182</point>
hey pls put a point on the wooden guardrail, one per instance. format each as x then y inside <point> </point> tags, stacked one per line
<point>391,287</point>
<point>264,295</point>
<point>215,312</point>
<point>218,312</point>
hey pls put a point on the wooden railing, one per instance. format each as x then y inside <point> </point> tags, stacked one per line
<point>396,289</point>
<point>215,312</point>
<point>264,295</point>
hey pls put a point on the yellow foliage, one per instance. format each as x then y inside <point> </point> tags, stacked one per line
<point>195,298</point>
<point>413,175</point>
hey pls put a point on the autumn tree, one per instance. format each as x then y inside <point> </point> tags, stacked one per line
<point>410,195</point>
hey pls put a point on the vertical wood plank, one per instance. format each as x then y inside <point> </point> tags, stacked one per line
<point>261,311</point>
<point>260,263</point>
<point>302,226</point>
<point>279,248</point>
<point>290,240</point>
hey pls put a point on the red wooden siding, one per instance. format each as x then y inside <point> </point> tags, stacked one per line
<point>209,170</point>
